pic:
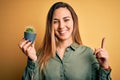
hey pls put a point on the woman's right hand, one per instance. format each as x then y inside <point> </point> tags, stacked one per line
<point>28,49</point>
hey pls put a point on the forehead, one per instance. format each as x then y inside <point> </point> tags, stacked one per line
<point>61,12</point>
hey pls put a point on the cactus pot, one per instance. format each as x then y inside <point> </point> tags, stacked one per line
<point>29,36</point>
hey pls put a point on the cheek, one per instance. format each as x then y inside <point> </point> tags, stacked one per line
<point>54,27</point>
<point>71,26</point>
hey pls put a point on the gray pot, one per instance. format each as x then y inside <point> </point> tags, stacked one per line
<point>30,36</point>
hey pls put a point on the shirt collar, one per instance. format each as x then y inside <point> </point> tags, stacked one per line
<point>74,46</point>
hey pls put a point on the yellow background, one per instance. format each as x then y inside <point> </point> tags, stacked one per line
<point>97,19</point>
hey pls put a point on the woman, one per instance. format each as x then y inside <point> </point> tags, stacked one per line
<point>62,56</point>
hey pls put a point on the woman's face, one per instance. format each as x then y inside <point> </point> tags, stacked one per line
<point>62,23</point>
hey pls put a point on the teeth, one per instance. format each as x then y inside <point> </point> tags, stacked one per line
<point>62,32</point>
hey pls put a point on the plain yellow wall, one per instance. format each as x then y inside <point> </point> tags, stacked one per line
<point>97,19</point>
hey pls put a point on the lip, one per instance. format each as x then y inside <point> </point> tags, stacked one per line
<point>62,32</point>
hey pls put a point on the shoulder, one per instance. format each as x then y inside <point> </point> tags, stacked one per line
<point>82,49</point>
<point>77,46</point>
<point>85,49</point>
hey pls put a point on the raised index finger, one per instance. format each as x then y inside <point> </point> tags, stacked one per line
<point>103,43</point>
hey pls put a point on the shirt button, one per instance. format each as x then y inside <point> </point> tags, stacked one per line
<point>61,75</point>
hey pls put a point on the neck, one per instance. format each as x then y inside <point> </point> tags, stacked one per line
<point>64,44</point>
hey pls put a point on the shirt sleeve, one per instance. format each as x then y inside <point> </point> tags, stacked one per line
<point>31,71</point>
<point>98,73</point>
<point>104,74</point>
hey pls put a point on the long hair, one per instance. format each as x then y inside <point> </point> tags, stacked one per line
<point>48,48</point>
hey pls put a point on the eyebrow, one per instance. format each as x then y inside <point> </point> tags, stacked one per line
<point>66,17</point>
<point>63,18</point>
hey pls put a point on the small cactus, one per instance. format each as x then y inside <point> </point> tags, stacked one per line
<point>29,33</point>
<point>30,29</point>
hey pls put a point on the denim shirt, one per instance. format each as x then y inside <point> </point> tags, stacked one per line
<point>78,63</point>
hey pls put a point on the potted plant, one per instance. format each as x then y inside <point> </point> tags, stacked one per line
<point>29,33</point>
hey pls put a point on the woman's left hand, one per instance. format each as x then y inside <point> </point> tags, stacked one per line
<point>102,56</point>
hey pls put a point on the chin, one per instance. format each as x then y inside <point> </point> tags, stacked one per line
<point>63,38</point>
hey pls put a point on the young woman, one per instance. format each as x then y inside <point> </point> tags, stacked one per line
<point>62,55</point>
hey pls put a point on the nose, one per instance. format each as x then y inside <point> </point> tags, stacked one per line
<point>61,24</point>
